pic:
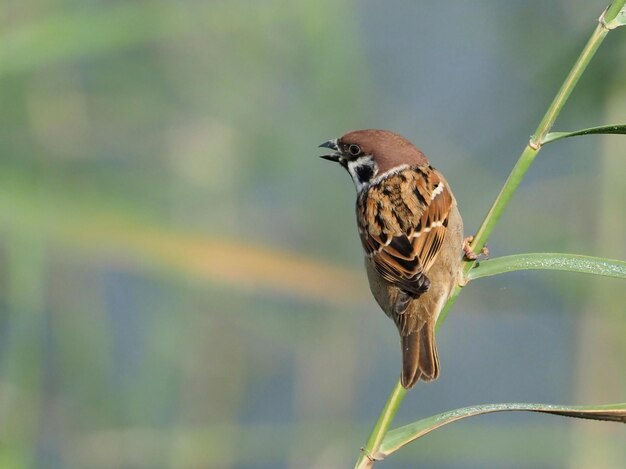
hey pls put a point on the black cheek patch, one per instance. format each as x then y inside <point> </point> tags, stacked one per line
<point>364,173</point>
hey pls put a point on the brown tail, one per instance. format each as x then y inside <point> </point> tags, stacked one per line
<point>419,356</point>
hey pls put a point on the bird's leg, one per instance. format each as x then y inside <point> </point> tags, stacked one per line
<point>471,255</point>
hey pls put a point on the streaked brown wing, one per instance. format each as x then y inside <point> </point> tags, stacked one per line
<point>403,230</point>
<point>431,230</point>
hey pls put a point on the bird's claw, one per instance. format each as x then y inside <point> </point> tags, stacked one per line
<point>471,255</point>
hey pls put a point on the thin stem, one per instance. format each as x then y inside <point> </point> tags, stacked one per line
<point>382,425</point>
<point>536,141</point>
<point>495,212</point>
<point>612,11</point>
<point>568,85</point>
<point>508,189</point>
<point>530,152</point>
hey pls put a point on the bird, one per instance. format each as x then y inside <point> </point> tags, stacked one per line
<point>411,231</point>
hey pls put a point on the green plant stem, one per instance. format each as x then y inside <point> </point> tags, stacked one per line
<point>382,425</point>
<point>534,145</point>
<point>568,85</point>
<point>612,11</point>
<point>495,212</point>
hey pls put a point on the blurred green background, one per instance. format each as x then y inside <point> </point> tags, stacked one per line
<point>181,281</point>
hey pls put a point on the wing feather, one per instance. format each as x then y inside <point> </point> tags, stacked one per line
<point>402,224</point>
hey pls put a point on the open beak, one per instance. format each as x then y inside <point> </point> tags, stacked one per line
<point>335,155</point>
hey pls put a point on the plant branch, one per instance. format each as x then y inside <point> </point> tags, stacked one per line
<point>568,85</point>
<point>382,425</point>
<point>495,212</point>
<point>534,145</point>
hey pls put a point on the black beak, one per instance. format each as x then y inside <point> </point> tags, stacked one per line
<point>332,144</point>
<point>332,157</point>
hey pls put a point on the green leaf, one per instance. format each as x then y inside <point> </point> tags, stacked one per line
<point>604,129</point>
<point>549,261</point>
<point>397,438</point>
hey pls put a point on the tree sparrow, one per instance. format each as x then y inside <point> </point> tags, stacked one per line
<point>412,234</point>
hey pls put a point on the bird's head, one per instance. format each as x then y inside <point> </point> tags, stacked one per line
<point>371,154</point>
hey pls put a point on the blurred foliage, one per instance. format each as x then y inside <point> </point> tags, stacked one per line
<point>180,281</point>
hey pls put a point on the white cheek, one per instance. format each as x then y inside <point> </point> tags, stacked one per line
<point>355,178</point>
<point>353,167</point>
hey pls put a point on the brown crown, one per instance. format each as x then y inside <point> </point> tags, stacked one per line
<point>388,149</point>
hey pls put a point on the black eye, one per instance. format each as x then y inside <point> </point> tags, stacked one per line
<point>354,149</point>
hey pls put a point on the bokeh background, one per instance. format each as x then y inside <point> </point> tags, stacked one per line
<point>181,281</point>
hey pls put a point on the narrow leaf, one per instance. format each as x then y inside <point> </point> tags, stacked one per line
<point>399,437</point>
<point>549,261</point>
<point>604,129</point>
